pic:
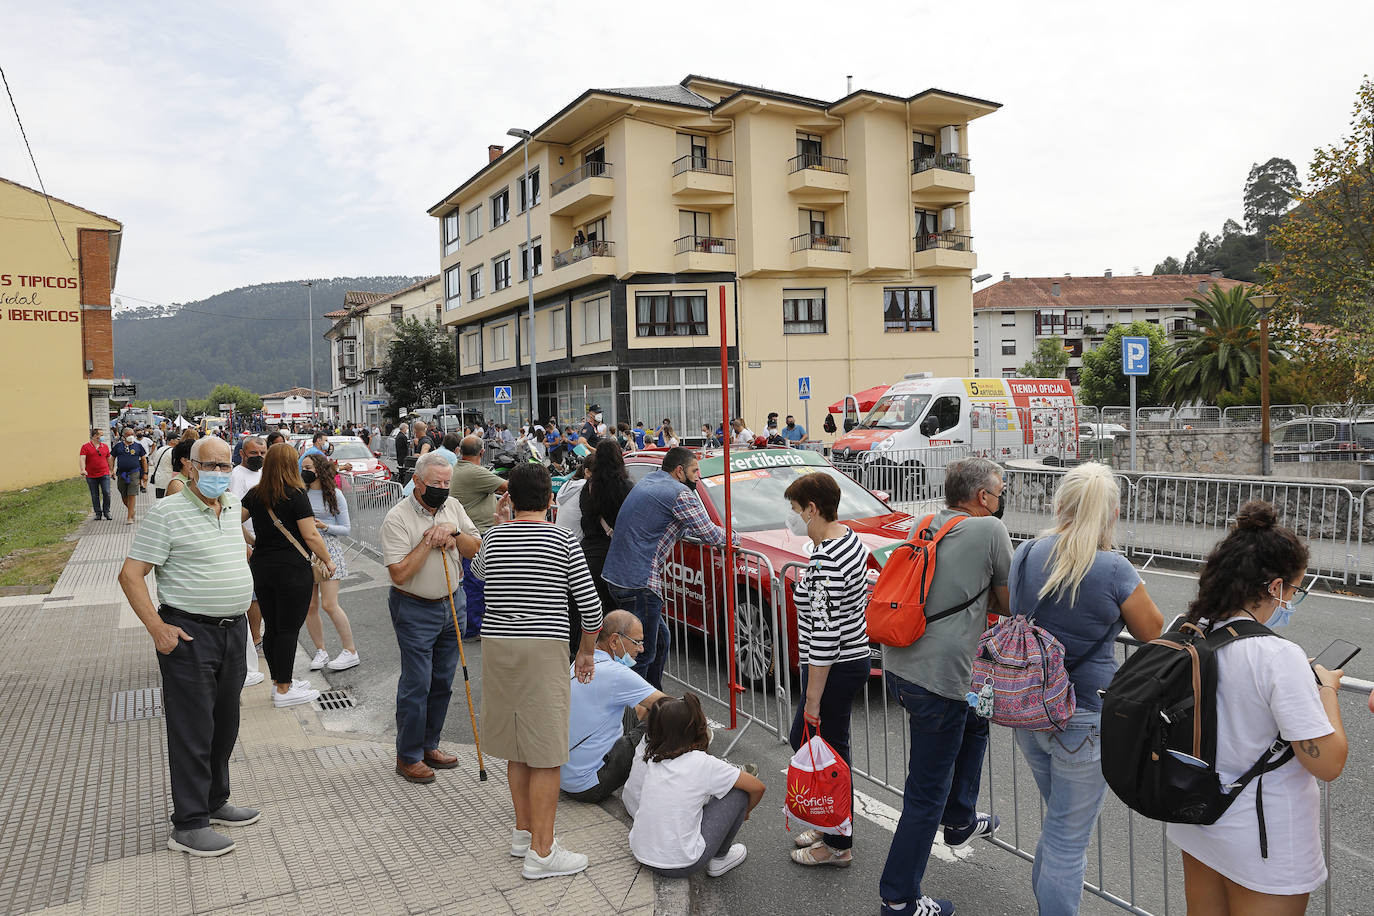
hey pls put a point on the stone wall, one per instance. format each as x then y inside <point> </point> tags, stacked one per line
<point>1190,451</point>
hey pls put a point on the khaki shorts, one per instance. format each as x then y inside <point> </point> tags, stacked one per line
<point>526,697</point>
<point>130,487</point>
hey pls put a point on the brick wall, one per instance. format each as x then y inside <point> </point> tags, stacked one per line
<point>97,340</point>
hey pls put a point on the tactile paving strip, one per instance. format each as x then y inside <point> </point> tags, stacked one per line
<point>128,705</point>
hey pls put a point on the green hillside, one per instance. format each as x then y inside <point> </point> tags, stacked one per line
<point>253,336</point>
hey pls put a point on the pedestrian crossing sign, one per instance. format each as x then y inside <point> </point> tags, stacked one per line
<point>502,394</point>
<point>804,388</point>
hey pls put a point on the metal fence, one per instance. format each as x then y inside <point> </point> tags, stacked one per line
<point>369,500</point>
<point>911,478</point>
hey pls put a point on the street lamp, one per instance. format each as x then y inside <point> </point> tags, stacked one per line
<point>1263,304</point>
<point>310,332</point>
<point>525,136</point>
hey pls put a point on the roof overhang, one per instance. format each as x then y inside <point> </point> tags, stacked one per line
<point>936,105</point>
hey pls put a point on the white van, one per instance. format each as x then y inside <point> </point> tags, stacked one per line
<point>993,418</point>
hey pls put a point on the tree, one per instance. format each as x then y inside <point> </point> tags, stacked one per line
<point>421,363</point>
<point>1102,383</point>
<point>1170,265</point>
<point>1048,360</point>
<point>244,400</point>
<point>1269,191</point>
<point>1222,351</point>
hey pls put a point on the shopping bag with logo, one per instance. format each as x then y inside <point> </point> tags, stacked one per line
<point>818,788</point>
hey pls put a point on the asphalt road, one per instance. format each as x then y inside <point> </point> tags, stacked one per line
<point>981,880</point>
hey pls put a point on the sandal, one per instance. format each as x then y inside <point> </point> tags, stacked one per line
<point>808,858</point>
<point>806,838</point>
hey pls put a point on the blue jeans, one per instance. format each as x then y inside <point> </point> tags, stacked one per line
<point>475,594</point>
<point>646,604</point>
<point>100,494</point>
<point>429,658</point>
<point>945,767</point>
<point>1067,768</point>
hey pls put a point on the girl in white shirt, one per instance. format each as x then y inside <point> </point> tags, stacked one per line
<point>1265,687</point>
<point>687,805</point>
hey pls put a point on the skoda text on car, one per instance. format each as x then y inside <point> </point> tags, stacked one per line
<point>759,477</point>
<point>992,418</point>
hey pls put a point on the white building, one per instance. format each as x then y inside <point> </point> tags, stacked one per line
<point>1011,316</point>
<point>292,405</point>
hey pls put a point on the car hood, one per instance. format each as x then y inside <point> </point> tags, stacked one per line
<point>861,440</point>
<point>879,534</point>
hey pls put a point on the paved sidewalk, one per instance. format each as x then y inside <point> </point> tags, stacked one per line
<point>84,800</point>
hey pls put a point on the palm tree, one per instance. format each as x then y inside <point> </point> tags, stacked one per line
<point>1222,351</point>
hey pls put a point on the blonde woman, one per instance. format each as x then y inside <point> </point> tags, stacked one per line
<point>1082,592</point>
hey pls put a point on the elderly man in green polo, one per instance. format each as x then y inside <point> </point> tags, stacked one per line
<point>193,541</point>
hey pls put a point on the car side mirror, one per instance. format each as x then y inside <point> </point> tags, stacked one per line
<point>850,423</point>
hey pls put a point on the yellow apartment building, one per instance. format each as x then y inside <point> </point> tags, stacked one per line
<point>841,233</point>
<point>57,267</point>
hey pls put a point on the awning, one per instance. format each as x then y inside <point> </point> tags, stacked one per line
<point>866,398</point>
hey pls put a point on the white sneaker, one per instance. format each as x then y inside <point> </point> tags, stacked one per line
<point>721,864</point>
<point>299,683</point>
<point>316,663</point>
<point>294,697</point>
<point>519,842</point>
<point>559,861</point>
<point>254,678</point>
<point>343,661</point>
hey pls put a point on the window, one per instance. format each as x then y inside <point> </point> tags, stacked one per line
<point>558,338</point>
<point>397,312</point>
<point>812,221</point>
<point>922,145</point>
<point>1008,372</point>
<point>529,190</point>
<point>927,225</point>
<point>689,397</point>
<point>809,150</point>
<point>538,260</point>
<point>472,348</point>
<point>595,160</point>
<point>693,146</point>
<point>596,230</point>
<point>525,336</point>
<point>475,283</point>
<point>453,286</point>
<point>500,271</point>
<point>1008,319</point>
<point>500,343</point>
<point>692,223</point>
<point>909,308</point>
<point>438,314</point>
<point>670,315</point>
<point>596,320</point>
<point>803,311</point>
<point>474,222</point>
<point>1124,316</point>
<point>943,415</point>
<point>1008,348</point>
<point>451,232</point>
<point>500,207</point>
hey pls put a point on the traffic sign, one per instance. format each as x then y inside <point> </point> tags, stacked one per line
<point>502,394</point>
<point>1135,355</point>
<point>804,388</point>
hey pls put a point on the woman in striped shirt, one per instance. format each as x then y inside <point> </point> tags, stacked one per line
<point>832,638</point>
<point>530,566</point>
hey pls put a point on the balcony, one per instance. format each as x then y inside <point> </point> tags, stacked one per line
<point>820,252</point>
<point>703,180</point>
<point>585,187</point>
<point>1061,325</point>
<point>944,172</point>
<point>704,253</point>
<point>348,368</point>
<point>814,177</point>
<point>944,252</point>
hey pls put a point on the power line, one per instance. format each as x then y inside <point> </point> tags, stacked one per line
<point>183,308</point>
<point>24,134</point>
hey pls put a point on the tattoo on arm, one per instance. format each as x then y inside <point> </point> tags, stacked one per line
<point>1310,749</point>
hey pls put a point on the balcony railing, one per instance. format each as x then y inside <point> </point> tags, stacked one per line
<point>595,249</point>
<point>818,162</point>
<point>947,161</point>
<point>1062,325</point>
<point>706,244</point>
<point>581,173</point>
<point>954,241</point>
<point>694,163</point>
<point>820,242</point>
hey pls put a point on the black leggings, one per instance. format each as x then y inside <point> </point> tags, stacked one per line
<point>284,597</point>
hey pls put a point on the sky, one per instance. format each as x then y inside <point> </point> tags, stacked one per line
<point>251,142</point>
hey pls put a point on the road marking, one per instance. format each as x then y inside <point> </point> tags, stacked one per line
<point>1193,576</point>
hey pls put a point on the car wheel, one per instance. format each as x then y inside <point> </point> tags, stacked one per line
<point>754,655</point>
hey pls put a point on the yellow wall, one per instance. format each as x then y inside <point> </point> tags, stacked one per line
<point>43,389</point>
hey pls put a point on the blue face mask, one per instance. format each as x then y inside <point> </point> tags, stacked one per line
<point>627,660</point>
<point>1283,613</point>
<point>212,484</point>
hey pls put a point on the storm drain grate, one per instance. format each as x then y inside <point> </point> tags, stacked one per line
<point>131,705</point>
<point>335,699</point>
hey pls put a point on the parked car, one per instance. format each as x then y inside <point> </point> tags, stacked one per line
<point>1311,439</point>
<point>352,456</point>
<point>1101,431</point>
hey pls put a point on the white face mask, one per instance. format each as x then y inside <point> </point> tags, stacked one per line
<point>129,440</point>
<point>796,524</point>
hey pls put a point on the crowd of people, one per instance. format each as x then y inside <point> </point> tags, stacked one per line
<point>569,611</point>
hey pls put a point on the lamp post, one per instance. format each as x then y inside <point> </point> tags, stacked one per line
<point>310,332</point>
<point>524,136</point>
<point>1263,304</point>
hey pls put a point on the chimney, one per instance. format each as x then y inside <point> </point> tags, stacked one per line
<point>1006,275</point>
<point>494,152</point>
<point>1216,275</point>
<point>1054,289</point>
<point>1107,273</point>
<point>849,84</point>
<point>1201,286</point>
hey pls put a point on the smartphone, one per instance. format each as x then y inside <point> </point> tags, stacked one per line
<point>1335,656</point>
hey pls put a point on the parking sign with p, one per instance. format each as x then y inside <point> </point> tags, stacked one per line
<point>1135,355</point>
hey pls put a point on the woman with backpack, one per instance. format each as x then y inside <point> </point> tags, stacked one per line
<point>1265,688</point>
<point>1075,587</point>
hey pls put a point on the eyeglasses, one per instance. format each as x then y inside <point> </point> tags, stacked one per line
<point>638,642</point>
<point>1299,593</point>
<point>213,465</point>
<point>998,494</point>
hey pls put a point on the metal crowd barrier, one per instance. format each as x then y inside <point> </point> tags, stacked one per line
<point>369,500</point>
<point>912,478</point>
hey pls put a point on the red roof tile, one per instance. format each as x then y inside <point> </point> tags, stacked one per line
<point>1094,292</point>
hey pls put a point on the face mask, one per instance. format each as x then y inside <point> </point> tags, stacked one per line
<point>627,660</point>
<point>212,484</point>
<point>1001,505</point>
<point>254,463</point>
<point>1282,614</point>
<point>689,484</point>
<point>791,424</point>
<point>596,417</point>
<point>796,524</point>
<point>128,440</point>
<point>104,440</point>
<point>307,476</point>
<point>434,496</point>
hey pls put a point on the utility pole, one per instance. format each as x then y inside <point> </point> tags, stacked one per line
<point>528,193</point>
<point>310,333</point>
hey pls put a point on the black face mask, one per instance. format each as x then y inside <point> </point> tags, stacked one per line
<point>434,496</point>
<point>689,484</point>
<point>791,425</point>
<point>1001,506</point>
<point>308,476</point>
<point>254,463</point>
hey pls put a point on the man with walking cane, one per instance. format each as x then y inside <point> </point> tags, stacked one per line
<point>423,537</point>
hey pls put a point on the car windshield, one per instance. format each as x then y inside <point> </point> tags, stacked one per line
<point>349,451</point>
<point>895,411</point>
<point>759,504</point>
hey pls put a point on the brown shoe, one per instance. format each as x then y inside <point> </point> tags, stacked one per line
<point>440,760</point>
<point>414,772</point>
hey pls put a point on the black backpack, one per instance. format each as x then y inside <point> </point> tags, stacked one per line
<point>1163,699</point>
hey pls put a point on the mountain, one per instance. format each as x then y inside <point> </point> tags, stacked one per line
<point>254,336</point>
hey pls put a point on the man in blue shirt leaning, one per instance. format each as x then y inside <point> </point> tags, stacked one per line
<point>792,432</point>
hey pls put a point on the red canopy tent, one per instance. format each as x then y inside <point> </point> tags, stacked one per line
<point>866,398</point>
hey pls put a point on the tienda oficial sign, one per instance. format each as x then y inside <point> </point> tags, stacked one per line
<point>23,298</point>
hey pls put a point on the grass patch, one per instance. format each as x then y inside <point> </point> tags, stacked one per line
<point>34,525</point>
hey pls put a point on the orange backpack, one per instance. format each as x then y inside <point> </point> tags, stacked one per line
<point>896,612</point>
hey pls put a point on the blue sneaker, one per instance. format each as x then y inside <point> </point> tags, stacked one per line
<point>983,825</point>
<point>926,906</point>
